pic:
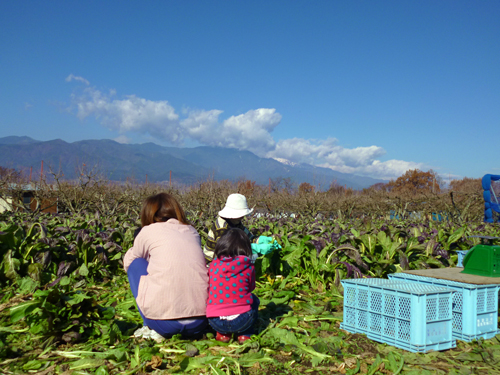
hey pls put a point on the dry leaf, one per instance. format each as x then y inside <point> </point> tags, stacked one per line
<point>155,362</point>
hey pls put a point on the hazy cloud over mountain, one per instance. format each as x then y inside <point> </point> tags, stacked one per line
<point>327,153</point>
<point>248,131</point>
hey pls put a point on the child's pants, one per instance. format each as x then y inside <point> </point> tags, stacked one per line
<point>242,325</point>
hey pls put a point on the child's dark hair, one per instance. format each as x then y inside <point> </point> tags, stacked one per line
<point>233,243</point>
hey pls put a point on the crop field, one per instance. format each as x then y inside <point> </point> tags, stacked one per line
<point>66,308</point>
<point>65,305</point>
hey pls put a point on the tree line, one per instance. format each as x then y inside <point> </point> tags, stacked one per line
<point>414,191</point>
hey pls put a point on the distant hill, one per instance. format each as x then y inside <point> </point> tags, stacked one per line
<point>188,165</point>
<point>13,140</point>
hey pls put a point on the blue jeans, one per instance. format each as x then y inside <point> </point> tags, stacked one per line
<point>187,327</point>
<point>242,325</point>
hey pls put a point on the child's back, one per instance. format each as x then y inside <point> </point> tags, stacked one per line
<point>231,282</point>
<point>231,307</point>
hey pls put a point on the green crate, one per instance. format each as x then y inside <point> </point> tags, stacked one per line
<point>483,260</point>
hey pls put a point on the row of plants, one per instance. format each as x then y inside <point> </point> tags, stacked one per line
<point>414,193</point>
<point>65,306</point>
<point>48,247</point>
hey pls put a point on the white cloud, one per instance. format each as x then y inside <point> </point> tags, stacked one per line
<point>386,170</point>
<point>122,139</point>
<point>325,151</point>
<point>328,154</point>
<point>301,150</point>
<point>131,114</point>
<point>248,131</point>
<point>357,157</point>
<point>202,125</point>
<point>72,77</point>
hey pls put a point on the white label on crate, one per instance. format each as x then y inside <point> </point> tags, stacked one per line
<point>486,320</point>
<point>437,329</point>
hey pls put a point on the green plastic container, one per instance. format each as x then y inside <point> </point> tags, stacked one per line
<point>483,260</point>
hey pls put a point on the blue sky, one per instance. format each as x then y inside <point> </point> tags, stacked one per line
<point>367,87</point>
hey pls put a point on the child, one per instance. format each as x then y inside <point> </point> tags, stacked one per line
<point>230,217</point>
<point>231,307</point>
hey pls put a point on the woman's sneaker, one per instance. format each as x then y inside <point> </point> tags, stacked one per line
<point>243,338</point>
<point>222,337</point>
<point>156,336</point>
<point>142,332</point>
<point>148,333</point>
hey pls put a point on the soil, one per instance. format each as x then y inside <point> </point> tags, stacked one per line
<point>361,345</point>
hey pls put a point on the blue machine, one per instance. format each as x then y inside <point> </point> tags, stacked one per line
<point>491,206</point>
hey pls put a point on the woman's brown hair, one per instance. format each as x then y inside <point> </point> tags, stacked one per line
<point>161,207</point>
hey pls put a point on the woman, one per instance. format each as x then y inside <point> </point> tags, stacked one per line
<point>166,270</point>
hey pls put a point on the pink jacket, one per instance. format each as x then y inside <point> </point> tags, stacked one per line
<point>231,282</point>
<point>176,286</point>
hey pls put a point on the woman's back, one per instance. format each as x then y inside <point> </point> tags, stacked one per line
<point>176,286</point>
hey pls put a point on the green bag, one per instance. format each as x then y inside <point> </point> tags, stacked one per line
<point>265,245</point>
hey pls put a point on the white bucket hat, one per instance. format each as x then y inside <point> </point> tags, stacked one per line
<point>236,207</point>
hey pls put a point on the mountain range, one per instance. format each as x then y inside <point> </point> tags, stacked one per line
<point>119,162</point>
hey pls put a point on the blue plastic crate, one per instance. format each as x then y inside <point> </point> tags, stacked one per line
<point>461,255</point>
<point>410,316</point>
<point>475,307</point>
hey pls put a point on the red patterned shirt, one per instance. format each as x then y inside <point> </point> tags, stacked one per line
<point>231,282</point>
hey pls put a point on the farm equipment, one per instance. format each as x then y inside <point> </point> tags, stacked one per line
<point>491,205</point>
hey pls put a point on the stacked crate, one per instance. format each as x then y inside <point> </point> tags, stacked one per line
<point>461,255</point>
<point>475,307</point>
<point>411,316</point>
